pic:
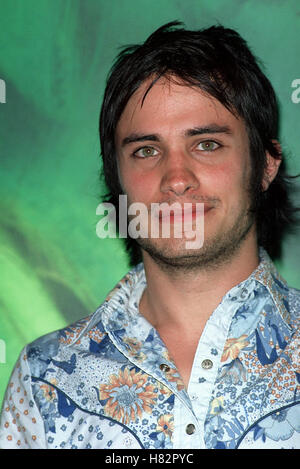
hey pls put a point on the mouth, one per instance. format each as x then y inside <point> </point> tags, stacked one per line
<point>188,212</point>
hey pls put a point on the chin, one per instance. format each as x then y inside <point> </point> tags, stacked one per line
<point>216,250</point>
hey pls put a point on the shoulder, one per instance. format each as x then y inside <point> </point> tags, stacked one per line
<point>63,348</point>
<point>53,348</point>
<point>79,353</point>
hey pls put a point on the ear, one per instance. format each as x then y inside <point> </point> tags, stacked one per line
<point>272,167</point>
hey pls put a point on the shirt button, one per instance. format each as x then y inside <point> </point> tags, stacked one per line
<point>207,364</point>
<point>164,367</point>
<point>190,429</point>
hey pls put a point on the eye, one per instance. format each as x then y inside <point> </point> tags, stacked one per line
<point>208,145</point>
<point>145,152</point>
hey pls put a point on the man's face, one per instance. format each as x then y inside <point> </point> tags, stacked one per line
<point>180,145</point>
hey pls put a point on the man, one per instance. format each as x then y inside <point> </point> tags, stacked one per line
<point>196,347</point>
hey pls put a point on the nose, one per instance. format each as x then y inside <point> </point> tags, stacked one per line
<point>178,176</point>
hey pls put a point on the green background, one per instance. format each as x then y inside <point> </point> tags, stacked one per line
<point>55,55</point>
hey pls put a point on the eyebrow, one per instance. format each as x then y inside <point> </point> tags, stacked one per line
<point>210,129</point>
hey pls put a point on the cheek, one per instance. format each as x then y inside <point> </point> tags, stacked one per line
<point>139,187</point>
<point>221,178</point>
<point>229,182</point>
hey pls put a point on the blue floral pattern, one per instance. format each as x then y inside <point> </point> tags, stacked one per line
<point>108,380</point>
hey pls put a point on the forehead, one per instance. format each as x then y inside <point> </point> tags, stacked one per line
<point>172,104</point>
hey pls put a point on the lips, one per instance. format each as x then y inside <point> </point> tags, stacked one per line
<point>179,213</point>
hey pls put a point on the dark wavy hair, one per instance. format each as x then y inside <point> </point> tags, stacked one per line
<point>219,62</point>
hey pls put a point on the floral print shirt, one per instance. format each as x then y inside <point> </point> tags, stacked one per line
<point>108,380</point>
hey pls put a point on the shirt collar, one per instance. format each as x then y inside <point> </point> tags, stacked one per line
<point>120,309</point>
<point>267,275</point>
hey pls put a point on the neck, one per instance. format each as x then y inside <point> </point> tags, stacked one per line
<point>184,299</point>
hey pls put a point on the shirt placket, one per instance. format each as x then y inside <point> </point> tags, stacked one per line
<point>206,365</point>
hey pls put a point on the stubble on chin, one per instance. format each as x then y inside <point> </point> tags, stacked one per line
<point>172,257</point>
